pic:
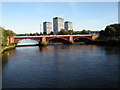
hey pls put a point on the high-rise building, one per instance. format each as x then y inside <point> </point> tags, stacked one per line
<point>47,27</point>
<point>58,24</point>
<point>68,25</point>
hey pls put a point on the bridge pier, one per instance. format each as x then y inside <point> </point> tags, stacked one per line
<point>43,41</point>
<point>10,40</point>
<point>71,40</point>
<point>94,36</point>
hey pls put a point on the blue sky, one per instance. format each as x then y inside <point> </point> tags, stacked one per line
<point>26,17</point>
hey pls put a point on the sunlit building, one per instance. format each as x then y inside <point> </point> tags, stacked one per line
<point>68,25</point>
<point>47,27</point>
<point>58,24</point>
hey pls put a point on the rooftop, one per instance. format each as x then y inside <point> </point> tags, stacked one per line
<point>58,18</point>
<point>68,22</point>
<point>47,22</point>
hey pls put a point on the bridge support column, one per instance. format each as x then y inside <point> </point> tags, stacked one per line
<point>71,39</point>
<point>44,41</point>
<point>10,40</point>
<point>94,36</point>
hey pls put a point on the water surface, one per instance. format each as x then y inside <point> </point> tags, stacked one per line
<point>61,66</point>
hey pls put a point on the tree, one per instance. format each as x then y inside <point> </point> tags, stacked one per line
<point>5,33</point>
<point>30,34</point>
<point>110,31</point>
<point>44,33</point>
<point>9,33</point>
<point>77,32</point>
<point>63,32</point>
<point>51,33</point>
<point>117,29</point>
<point>40,33</point>
<point>84,32</point>
<point>102,32</point>
<point>88,31</point>
<point>70,32</point>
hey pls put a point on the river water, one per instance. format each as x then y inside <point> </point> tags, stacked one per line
<point>61,66</point>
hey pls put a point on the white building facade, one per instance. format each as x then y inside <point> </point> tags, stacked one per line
<point>47,27</point>
<point>58,24</point>
<point>68,25</point>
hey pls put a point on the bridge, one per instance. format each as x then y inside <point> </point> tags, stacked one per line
<point>46,38</point>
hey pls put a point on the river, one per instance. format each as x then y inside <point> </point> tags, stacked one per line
<point>61,66</point>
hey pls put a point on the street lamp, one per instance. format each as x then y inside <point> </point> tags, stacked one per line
<point>40,29</point>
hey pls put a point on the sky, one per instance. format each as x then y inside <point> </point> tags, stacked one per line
<point>26,17</point>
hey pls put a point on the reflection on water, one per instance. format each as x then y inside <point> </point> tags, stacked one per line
<point>61,66</point>
<point>5,57</point>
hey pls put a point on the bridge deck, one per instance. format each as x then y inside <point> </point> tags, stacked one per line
<point>53,35</point>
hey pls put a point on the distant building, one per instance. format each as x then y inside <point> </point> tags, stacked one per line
<point>47,27</point>
<point>94,32</point>
<point>58,24</point>
<point>68,25</point>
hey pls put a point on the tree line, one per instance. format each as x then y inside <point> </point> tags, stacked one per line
<point>29,34</point>
<point>69,32</point>
<point>111,32</point>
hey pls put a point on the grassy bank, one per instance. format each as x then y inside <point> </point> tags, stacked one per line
<point>5,48</point>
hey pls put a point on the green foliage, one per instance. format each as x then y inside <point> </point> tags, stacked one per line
<point>9,33</point>
<point>77,32</point>
<point>44,33</point>
<point>85,31</point>
<point>63,32</point>
<point>70,32</point>
<point>29,34</point>
<point>51,33</point>
<point>5,34</point>
<point>111,31</point>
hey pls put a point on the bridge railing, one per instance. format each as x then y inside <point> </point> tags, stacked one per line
<point>56,35</point>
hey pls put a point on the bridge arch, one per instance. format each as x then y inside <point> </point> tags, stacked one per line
<point>52,38</point>
<point>82,38</point>
<point>16,40</point>
<point>27,41</point>
<point>58,39</point>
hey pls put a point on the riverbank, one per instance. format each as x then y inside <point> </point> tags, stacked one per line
<point>5,48</point>
<point>99,42</point>
<point>109,42</point>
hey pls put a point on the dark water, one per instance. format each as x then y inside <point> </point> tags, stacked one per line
<point>61,66</point>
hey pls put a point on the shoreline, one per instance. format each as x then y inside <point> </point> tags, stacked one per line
<point>104,43</point>
<point>6,48</point>
<point>101,43</point>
